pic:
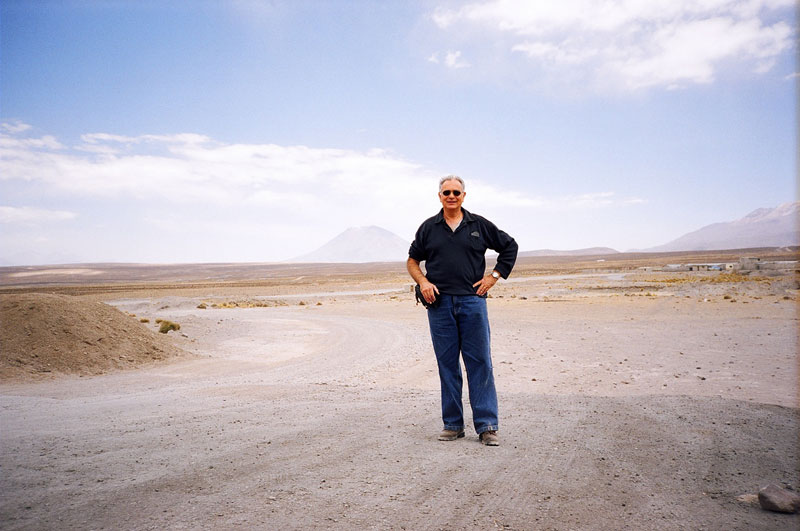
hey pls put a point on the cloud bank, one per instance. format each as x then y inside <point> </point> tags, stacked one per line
<point>33,216</point>
<point>629,45</point>
<point>190,198</point>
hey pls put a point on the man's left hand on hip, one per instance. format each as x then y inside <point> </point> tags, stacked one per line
<point>484,284</point>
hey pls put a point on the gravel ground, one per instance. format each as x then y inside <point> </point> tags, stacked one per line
<point>624,405</point>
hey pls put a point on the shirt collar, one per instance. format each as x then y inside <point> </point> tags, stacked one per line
<point>467,216</point>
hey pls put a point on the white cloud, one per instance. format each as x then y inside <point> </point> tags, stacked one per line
<point>187,168</point>
<point>452,59</point>
<point>630,44</point>
<point>45,143</point>
<point>30,215</point>
<point>192,198</point>
<point>487,196</point>
<point>16,127</point>
<point>194,180</point>
<point>552,53</point>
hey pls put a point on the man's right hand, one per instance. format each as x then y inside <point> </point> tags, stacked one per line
<point>429,291</point>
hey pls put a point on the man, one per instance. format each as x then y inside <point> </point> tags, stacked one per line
<point>453,244</point>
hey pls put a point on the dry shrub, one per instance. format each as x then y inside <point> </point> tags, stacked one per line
<point>733,277</point>
<point>249,304</point>
<point>166,326</point>
<point>716,279</point>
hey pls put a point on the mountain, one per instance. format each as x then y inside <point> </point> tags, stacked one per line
<point>763,227</point>
<point>577,252</point>
<point>360,244</point>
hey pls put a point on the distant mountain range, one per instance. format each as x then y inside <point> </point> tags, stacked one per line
<point>763,227</point>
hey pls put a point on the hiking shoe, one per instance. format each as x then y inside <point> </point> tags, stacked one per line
<point>489,438</point>
<point>450,435</point>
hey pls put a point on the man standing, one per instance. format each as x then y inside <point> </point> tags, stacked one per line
<point>453,244</point>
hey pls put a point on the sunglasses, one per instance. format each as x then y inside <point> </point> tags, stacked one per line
<point>456,193</point>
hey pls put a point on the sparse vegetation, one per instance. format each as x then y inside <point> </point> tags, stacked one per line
<point>166,326</point>
<point>249,304</point>
<point>144,320</point>
<point>714,279</point>
<point>734,277</point>
<point>202,306</point>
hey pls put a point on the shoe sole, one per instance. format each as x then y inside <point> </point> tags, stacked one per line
<point>459,436</point>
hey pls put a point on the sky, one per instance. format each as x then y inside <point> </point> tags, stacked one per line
<point>255,131</point>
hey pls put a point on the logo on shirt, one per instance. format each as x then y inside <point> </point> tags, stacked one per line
<point>476,234</point>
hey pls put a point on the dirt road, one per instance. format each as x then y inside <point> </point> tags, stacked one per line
<point>616,413</point>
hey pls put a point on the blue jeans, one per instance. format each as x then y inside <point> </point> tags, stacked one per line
<point>460,326</point>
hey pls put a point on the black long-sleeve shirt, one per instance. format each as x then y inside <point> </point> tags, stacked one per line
<point>455,260</point>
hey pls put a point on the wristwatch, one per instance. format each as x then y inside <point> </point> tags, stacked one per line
<point>495,274</point>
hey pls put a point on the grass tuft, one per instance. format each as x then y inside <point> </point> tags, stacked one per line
<point>166,326</point>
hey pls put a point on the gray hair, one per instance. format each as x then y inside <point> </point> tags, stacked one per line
<point>452,178</point>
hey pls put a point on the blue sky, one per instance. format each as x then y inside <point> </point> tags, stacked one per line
<point>196,131</point>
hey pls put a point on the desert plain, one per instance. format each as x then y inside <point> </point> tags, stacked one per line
<point>300,396</point>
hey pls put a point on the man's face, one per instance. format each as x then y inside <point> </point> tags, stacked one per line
<point>447,195</point>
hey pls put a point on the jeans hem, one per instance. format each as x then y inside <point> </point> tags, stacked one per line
<point>453,427</point>
<point>487,428</point>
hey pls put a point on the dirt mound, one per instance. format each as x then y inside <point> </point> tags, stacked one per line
<point>45,334</point>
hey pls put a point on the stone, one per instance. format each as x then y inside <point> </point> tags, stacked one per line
<point>775,498</point>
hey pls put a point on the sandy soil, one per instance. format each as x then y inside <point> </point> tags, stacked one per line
<point>628,401</point>
<point>44,334</point>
